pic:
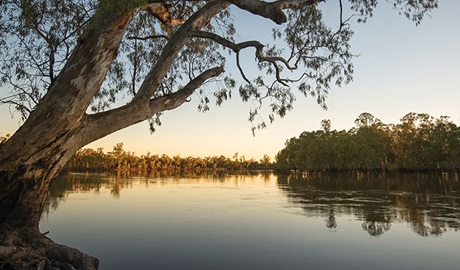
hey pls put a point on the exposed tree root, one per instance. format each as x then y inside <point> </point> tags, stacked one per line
<point>29,249</point>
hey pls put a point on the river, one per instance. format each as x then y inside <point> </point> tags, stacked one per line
<point>258,220</point>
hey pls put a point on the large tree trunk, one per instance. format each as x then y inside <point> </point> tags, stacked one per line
<point>59,126</point>
<point>31,159</point>
<point>37,152</point>
<point>24,188</point>
<point>24,185</point>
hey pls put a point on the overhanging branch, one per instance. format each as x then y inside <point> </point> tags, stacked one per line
<point>174,100</point>
<point>104,123</point>
<point>237,47</point>
<point>272,10</point>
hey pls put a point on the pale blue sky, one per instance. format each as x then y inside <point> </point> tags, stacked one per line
<point>402,68</point>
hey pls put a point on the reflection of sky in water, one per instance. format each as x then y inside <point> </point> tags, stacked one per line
<point>256,222</point>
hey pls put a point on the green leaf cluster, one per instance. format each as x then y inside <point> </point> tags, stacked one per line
<point>306,54</point>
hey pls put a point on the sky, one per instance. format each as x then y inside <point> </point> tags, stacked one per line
<point>401,68</point>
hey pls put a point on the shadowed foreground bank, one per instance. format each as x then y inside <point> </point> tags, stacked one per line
<point>30,249</point>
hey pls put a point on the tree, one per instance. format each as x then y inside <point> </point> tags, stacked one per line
<point>66,62</point>
<point>119,155</point>
<point>367,120</point>
<point>326,125</point>
<point>419,143</point>
<point>265,161</point>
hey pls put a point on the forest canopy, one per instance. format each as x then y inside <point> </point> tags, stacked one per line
<point>419,142</point>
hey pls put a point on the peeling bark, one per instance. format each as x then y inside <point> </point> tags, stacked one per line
<point>162,13</point>
<point>272,10</point>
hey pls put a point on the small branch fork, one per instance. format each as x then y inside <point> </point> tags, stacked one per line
<point>343,22</point>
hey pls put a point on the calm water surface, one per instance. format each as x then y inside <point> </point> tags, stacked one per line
<point>258,221</point>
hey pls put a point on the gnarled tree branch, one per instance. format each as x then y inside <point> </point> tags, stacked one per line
<point>172,48</point>
<point>237,47</point>
<point>174,100</point>
<point>162,12</point>
<point>104,123</point>
<point>272,10</point>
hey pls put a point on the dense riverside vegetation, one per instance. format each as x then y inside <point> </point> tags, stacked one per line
<point>96,160</point>
<point>419,142</point>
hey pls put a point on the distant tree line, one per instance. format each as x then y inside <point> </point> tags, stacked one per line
<point>419,142</point>
<point>88,159</point>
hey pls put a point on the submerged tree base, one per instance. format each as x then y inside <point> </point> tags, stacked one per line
<point>30,249</point>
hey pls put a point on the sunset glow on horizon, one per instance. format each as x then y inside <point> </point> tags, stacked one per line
<point>402,68</point>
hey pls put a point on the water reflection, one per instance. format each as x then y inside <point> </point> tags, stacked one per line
<point>257,221</point>
<point>429,204</point>
<point>115,182</point>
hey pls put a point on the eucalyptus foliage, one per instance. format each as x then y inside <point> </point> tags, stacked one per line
<point>37,38</point>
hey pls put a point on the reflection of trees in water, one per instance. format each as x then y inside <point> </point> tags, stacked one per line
<point>429,203</point>
<point>331,223</point>
<point>117,181</point>
<point>72,183</point>
<point>376,228</point>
